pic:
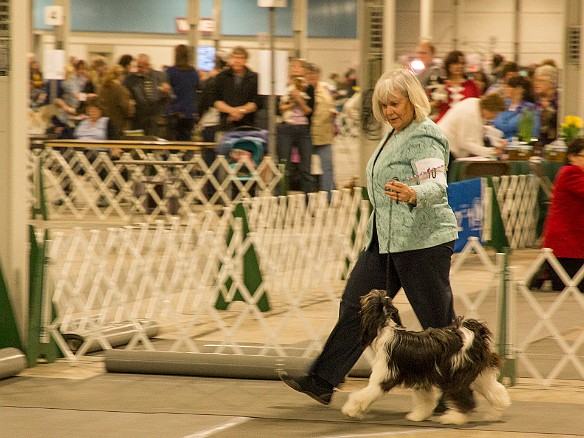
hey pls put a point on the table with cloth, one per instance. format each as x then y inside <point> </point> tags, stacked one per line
<point>517,168</point>
<point>522,202</point>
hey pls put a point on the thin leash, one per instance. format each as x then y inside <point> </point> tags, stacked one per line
<point>387,277</point>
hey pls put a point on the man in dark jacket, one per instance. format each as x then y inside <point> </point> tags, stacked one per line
<point>235,92</point>
<point>151,92</point>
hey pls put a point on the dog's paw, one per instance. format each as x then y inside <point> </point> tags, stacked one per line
<point>416,415</point>
<point>494,413</point>
<point>453,417</point>
<point>352,409</point>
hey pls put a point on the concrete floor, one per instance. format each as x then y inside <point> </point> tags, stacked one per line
<point>57,400</point>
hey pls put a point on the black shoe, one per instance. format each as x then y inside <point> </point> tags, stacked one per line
<point>309,386</point>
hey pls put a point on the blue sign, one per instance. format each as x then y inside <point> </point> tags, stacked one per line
<point>465,198</point>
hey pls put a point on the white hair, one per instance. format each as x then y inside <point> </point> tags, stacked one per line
<point>396,83</point>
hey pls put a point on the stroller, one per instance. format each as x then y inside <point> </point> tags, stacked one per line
<point>245,148</point>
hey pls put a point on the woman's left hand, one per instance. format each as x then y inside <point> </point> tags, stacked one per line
<point>400,192</point>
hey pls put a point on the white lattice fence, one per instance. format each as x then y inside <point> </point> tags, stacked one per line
<point>550,342</point>
<point>175,274</point>
<point>143,186</point>
<point>517,196</point>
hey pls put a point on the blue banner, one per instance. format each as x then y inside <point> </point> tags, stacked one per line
<point>465,198</point>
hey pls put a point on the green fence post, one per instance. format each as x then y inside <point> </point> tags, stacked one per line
<point>9,335</point>
<point>39,186</point>
<point>505,344</point>
<point>252,276</point>
<point>498,236</point>
<point>40,343</point>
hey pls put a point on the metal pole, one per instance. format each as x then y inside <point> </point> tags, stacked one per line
<point>194,8</point>
<point>217,19</point>
<point>272,97</point>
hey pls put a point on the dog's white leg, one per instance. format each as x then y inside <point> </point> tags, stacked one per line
<point>496,394</point>
<point>453,416</point>
<point>424,403</point>
<point>359,401</point>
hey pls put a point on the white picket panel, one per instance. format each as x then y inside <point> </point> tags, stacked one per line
<point>557,321</point>
<point>142,186</point>
<point>174,273</point>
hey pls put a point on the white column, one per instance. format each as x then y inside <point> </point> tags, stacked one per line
<point>300,21</point>
<point>388,35</point>
<point>13,181</point>
<point>62,32</point>
<point>426,8</point>
<point>572,91</point>
<point>194,16</point>
<point>217,7</point>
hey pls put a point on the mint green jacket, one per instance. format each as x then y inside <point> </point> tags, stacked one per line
<point>405,154</point>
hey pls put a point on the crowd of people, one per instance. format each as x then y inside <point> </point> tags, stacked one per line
<point>527,110</point>
<point>181,103</point>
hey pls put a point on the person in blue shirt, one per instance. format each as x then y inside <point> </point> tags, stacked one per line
<point>519,100</point>
<point>184,81</point>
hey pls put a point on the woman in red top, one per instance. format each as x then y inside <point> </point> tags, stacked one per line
<point>564,227</point>
<point>456,86</point>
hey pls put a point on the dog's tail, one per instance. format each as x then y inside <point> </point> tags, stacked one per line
<point>485,337</point>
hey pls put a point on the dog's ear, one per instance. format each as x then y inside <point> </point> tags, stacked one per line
<point>391,312</point>
<point>373,316</point>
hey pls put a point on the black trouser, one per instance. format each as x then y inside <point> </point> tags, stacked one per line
<point>425,276</point>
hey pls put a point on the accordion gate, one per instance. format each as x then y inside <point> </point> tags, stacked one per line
<point>175,273</point>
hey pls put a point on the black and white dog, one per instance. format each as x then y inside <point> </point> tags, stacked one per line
<point>451,359</point>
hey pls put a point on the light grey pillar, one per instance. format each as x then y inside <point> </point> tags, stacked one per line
<point>13,180</point>
<point>426,9</point>
<point>194,16</point>
<point>388,34</point>
<point>300,21</point>
<point>572,91</point>
<point>62,32</point>
<point>217,7</point>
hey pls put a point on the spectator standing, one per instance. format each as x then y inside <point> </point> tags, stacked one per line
<point>497,62</point>
<point>507,71</point>
<point>184,81</point>
<point>457,86</point>
<point>296,108</point>
<point>545,83</point>
<point>115,99</point>
<point>209,121</point>
<point>432,72</point>
<point>235,92</point>
<point>97,71</point>
<point>78,87</point>
<point>151,92</point>
<point>127,63</point>
<point>322,127</point>
<point>564,227</point>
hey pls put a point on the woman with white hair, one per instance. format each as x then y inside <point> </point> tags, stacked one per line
<point>545,88</point>
<point>410,233</point>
